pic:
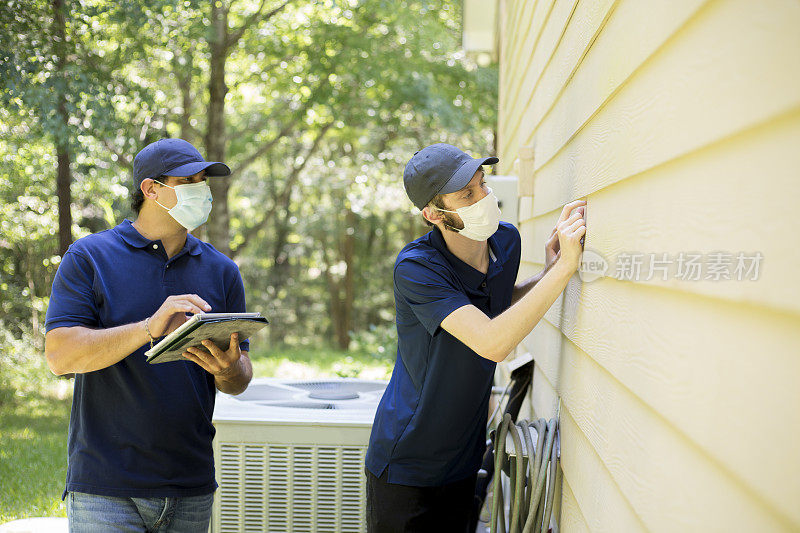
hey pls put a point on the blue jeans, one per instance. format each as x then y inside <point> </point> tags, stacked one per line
<point>92,513</point>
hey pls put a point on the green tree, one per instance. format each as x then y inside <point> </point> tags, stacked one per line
<point>316,106</point>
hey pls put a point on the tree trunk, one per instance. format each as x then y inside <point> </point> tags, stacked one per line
<point>219,223</point>
<point>63,173</point>
<point>183,73</point>
<point>348,253</point>
<point>335,306</point>
<point>63,181</point>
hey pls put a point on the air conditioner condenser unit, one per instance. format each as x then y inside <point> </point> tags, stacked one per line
<point>290,455</point>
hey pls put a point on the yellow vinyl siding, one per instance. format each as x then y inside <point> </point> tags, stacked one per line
<point>679,121</point>
<point>672,108</point>
<point>644,444</point>
<point>572,519</point>
<point>718,198</point>
<point>521,43</point>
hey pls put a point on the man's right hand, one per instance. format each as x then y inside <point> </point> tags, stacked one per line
<point>571,227</point>
<point>172,313</point>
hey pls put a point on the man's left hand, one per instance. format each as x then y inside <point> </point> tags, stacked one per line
<point>551,249</point>
<point>213,359</point>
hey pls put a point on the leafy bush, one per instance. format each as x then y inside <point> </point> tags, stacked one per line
<point>380,341</point>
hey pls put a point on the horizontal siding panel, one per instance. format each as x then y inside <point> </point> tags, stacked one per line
<point>528,269</point>
<point>512,33</point>
<point>599,499</point>
<point>549,41</point>
<point>722,374</point>
<point>535,232</point>
<point>632,33</point>
<point>525,211</point>
<point>544,398</point>
<point>532,239</point>
<point>519,20</point>
<point>514,13</point>
<point>536,14</point>
<point>602,505</point>
<point>730,199</point>
<point>519,61</point>
<point>585,24</point>
<point>671,484</point>
<point>681,100</point>
<point>571,520</point>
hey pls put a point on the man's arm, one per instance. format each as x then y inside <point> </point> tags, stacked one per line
<point>79,349</point>
<point>495,338</point>
<point>522,288</point>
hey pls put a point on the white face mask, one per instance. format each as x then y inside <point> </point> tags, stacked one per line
<point>194,204</point>
<point>481,219</point>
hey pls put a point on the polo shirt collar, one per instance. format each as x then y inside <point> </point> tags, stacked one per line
<point>131,236</point>
<point>192,245</point>
<point>469,275</point>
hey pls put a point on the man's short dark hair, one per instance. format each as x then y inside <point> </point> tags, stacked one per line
<point>137,198</point>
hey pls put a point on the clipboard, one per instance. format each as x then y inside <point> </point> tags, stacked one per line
<point>217,327</point>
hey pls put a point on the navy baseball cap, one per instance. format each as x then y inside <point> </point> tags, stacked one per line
<point>173,157</point>
<point>439,169</point>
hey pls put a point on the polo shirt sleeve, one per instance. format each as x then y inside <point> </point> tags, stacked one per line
<point>235,301</point>
<point>430,294</point>
<point>72,300</point>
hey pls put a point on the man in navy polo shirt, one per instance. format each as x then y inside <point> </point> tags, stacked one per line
<point>459,312</point>
<point>139,450</point>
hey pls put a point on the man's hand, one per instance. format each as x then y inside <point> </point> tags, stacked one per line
<point>552,248</point>
<point>571,227</point>
<point>172,313</point>
<point>222,364</point>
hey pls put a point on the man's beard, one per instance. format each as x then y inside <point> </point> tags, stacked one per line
<point>450,222</point>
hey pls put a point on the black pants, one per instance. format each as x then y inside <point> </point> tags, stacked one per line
<point>393,508</point>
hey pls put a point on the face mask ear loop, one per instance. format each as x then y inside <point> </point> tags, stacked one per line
<point>159,203</point>
<point>446,225</point>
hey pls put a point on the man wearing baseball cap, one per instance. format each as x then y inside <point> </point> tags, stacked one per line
<point>139,446</point>
<point>459,312</point>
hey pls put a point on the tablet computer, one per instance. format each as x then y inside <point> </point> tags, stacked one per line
<point>217,327</point>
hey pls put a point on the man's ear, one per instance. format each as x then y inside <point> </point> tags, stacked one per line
<point>147,187</point>
<point>431,215</point>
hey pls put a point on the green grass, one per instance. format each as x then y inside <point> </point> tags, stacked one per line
<point>33,428</point>
<point>33,456</point>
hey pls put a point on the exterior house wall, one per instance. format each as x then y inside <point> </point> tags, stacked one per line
<point>679,122</point>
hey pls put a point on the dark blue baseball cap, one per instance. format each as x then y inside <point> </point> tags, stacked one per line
<point>439,169</point>
<point>172,157</point>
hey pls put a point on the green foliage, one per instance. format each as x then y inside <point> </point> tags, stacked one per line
<point>327,101</point>
<point>380,341</point>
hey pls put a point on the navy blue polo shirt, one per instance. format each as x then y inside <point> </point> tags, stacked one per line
<point>140,430</point>
<point>430,426</point>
